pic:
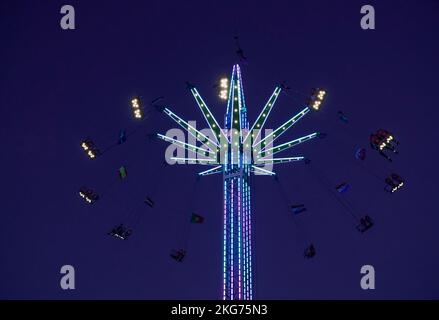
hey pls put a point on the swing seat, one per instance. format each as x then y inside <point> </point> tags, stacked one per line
<point>298,208</point>
<point>123,173</point>
<point>120,232</point>
<point>365,224</point>
<point>195,218</point>
<point>88,195</point>
<point>178,255</point>
<point>342,187</point>
<point>149,202</point>
<point>310,252</point>
<point>361,154</point>
<point>122,137</point>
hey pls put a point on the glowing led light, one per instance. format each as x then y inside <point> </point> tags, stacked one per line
<point>224,83</point>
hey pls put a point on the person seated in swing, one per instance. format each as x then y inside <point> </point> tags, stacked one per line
<point>360,154</point>
<point>387,136</point>
<point>377,143</point>
<point>149,202</point>
<point>365,224</point>
<point>397,179</point>
<point>393,183</point>
<point>178,255</point>
<point>120,232</point>
<point>239,51</point>
<point>310,251</point>
<point>127,233</point>
<point>116,230</point>
<point>385,140</point>
<point>342,117</point>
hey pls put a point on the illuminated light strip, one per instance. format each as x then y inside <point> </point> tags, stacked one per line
<point>215,170</point>
<point>238,83</point>
<point>231,119</point>
<point>281,130</point>
<point>230,101</point>
<point>244,227</point>
<point>280,160</point>
<point>250,245</point>
<point>271,173</point>
<point>246,238</point>
<point>244,252</point>
<point>242,233</point>
<point>194,132</point>
<point>289,144</point>
<point>231,240</point>
<point>264,114</point>
<point>240,111</point>
<point>245,241</point>
<point>225,241</point>
<point>185,145</point>
<point>246,209</point>
<point>195,160</point>
<point>239,239</point>
<point>211,121</point>
<point>242,93</point>
<point>249,252</point>
<point>244,212</point>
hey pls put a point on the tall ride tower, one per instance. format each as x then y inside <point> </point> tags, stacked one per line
<point>237,151</point>
<point>237,242</point>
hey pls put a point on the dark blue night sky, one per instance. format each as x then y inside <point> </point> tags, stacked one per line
<point>57,87</point>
